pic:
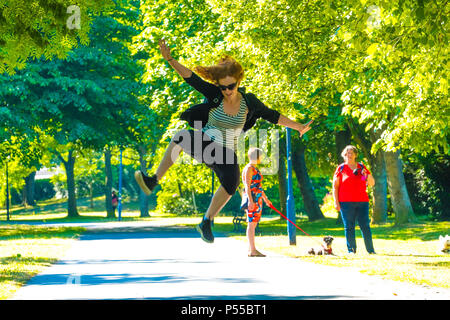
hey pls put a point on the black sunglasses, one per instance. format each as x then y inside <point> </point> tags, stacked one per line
<point>230,86</point>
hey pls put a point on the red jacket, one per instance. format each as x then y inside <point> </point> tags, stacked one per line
<point>352,188</point>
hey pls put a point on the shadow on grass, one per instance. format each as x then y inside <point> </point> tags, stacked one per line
<point>58,207</point>
<point>26,260</point>
<point>9,232</point>
<point>434,265</point>
<point>425,230</point>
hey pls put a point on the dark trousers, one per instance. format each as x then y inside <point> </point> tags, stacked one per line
<point>221,160</point>
<point>352,212</point>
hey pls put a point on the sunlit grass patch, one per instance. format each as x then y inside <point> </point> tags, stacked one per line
<point>27,250</point>
<point>406,254</point>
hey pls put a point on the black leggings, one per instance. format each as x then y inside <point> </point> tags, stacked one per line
<point>223,161</point>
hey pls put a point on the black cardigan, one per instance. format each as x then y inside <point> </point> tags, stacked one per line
<point>214,96</point>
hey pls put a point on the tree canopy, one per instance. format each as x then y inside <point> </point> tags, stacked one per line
<point>372,74</point>
<point>35,29</point>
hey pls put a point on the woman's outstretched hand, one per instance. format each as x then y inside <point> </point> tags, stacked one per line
<point>303,128</point>
<point>165,50</point>
<point>179,68</point>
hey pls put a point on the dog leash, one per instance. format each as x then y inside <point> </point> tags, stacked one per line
<point>272,207</point>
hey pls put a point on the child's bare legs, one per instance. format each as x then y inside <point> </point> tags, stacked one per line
<point>251,226</point>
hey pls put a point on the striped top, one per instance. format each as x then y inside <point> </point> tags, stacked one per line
<point>224,128</point>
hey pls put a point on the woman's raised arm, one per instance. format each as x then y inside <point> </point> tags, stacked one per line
<point>301,128</point>
<point>179,68</point>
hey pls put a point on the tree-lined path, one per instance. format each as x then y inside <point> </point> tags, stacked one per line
<point>86,94</point>
<point>146,261</point>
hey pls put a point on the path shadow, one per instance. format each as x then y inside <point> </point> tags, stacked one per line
<point>86,280</point>
<point>143,232</point>
<point>128,261</point>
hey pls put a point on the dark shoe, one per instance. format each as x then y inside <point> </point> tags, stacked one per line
<point>205,231</point>
<point>147,184</point>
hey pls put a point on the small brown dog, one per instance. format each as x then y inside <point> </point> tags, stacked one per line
<point>325,249</point>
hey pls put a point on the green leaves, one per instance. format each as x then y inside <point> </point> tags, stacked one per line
<point>32,28</point>
<point>89,99</point>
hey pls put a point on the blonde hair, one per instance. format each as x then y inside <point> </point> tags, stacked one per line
<point>226,66</point>
<point>254,153</point>
<point>353,148</point>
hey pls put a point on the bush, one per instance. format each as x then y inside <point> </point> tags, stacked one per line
<point>327,206</point>
<point>173,203</point>
<point>427,181</point>
<point>233,206</point>
<point>43,190</point>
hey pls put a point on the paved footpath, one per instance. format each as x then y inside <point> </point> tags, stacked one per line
<point>146,261</point>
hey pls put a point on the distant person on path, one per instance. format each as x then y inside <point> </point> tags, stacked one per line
<point>351,200</point>
<point>253,197</point>
<point>114,201</point>
<point>227,111</point>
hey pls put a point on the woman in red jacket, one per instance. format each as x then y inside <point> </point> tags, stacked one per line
<point>350,198</point>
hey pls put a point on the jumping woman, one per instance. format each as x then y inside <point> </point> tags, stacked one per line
<point>218,122</point>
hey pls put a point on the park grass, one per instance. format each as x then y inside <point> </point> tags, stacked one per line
<point>407,253</point>
<point>27,250</point>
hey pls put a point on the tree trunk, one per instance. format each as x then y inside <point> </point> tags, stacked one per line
<point>282,181</point>
<point>69,166</point>
<point>108,185</point>
<point>91,195</point>
<point>379,214</point>
<point>180,191</point>
<point>378,168</point>
<point>397,189</point>
<point>28,190</point>
<point>306,188</point>
<point>193,201</point>
<point>342,139</point>
<point>143,198</point>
